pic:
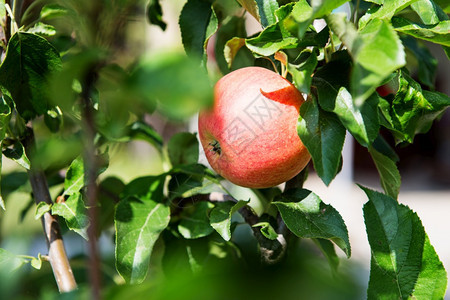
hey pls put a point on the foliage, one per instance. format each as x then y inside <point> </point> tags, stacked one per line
<point>69,96</point>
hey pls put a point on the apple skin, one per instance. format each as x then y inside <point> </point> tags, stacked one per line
<point>250,134</point>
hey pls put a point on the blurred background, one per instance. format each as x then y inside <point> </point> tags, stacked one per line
<point>424,167</point>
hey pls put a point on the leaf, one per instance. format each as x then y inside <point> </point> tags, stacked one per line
<point>185,184</point>
<point>140,218</point>
<point>41,209</point>
<point>181,87</point>
<point>220,216</point>
<point>183,149</point>
<point>438,34</point>
<point>266,9</point>
<point>9,261</point>
<point>412,110</point>
<point>323,135</point>
<point>231,49</point>
<point>17,154</point>
<point>36,262</point>
<point>74,180</point>
<point>429,12</point>
<point>74,212</point>
<point>389,174</point>
<point>304,14</point>
<point>5,116</point>
<point>267,230</point>
<point>271,40</point>
<point>302,73</point>
<point>195,222</point>
<point>197,23</point>
<point>427,64</point>
<point>308,217</point>
<point>386,11</point>
<point>43,29</point>
<point>400,254</point>
<point>29,60</point>
<point>154,14</point>
<point>362,122</point>
<point>376,51</point>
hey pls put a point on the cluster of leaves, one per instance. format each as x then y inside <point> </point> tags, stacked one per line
<point>54,67</point>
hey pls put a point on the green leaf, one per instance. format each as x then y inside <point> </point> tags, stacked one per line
<point>400,254</point>
<point>74,212</point>
<point>438,34</point>
<point>9,261</point>
<point>308,217</point>
<point>429,12</point>
<point>41,209</point>
<point>361,122</point>
<point>143,131</point>
<point>17,154</point>
<point>412,110</point>
<point>231,49</point>
<point>266,9</point>
<point>36,262</point>
<point>198,22</point>
<point>2,9</point>
<point>220,216</point>
<point>267,230</point>
<point>271,40</point>
<point>5,116</point>
<point>323,135</point>
<point>304,14</point>
<point>389,174</point>
<point>195,222</point>
<point>181,87</point>
<point>183,149</point>
<point>2,202</point>
<point>427,64</point>
<point>74,180</point>
<point>301,73</point>
<point>154,14</point>
<point>42,29</point>
<point>231,27</point>
<point>386,11</point>
<point>140,218</point>
<point>189,180</point>
<point>29,60</point>
<point>432,280</point>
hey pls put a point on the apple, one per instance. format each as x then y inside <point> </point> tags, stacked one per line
<point>250,134</point>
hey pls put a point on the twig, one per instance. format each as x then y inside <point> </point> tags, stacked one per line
<point>56,252</point>
<point>91,169</point>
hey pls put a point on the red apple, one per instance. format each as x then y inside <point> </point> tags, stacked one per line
<point>250,134</point>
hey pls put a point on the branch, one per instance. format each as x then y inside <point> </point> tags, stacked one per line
<point>56,252</point>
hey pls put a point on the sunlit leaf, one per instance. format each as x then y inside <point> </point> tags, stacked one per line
<point>438,34</point>
<point>195,222</point>
<point>74,180</point>
<point>308,217</point>
<point>41,209</point>
<point>267,230</point>
<point>74,212</point>
<point>17,154</point>
<point>403,262</point>
<point>220,216</point>
<point>271,40</point>
<point>301,73</point>
<point>140,218</point>
<point>429,12</point>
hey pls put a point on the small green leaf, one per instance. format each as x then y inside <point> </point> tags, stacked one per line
<point>429,12</point>
<point>328,250</point>
<point>36,262</point>
<point>271,40</point>
<point>389,174</point>
<point>427,64</point>
<point>301,73</point>
<point>183,149</point>
<point>42,29</point>
<point>5,116</point>
<point>74,212</point>
<point>143,131</point>
<point>74,180</point>
<point>41,209</point>
<point>323,135</point>
<point>308,217</point>
<point>140,218</point>
<point>17,154</point>
<point>412,110</point>
<point>231,49</point>
<point>186,184</point>
<point>29,60</point>
<point>362,122</point>
<point>403,263</point>
<point>220,216</point>
<point>154,14</point>
<point>438,34</point>
<point>198,22</point>
<point>266,9</point>
<point>386,11</point>
<point>195,222</point>
<point>267,230</point>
